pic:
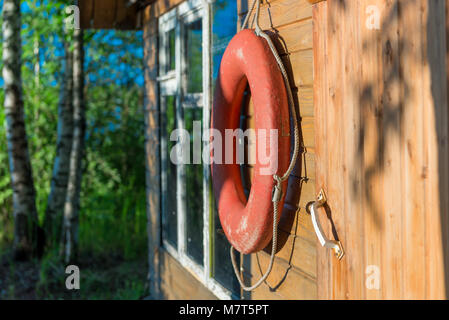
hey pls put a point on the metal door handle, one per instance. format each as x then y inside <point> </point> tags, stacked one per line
<point>324,241</point>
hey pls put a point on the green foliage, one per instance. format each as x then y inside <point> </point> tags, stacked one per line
<point>5,187</point>
<point>113,194</point>
<point>112,213</point>
<point>102,277</point>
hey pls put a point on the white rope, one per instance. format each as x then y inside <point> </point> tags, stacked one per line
<point>277,191</point>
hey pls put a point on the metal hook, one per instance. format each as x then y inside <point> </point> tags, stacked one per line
<point>324,241</point>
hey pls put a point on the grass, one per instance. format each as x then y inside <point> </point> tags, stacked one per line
<point>112,256</point>
<point>101,277</point>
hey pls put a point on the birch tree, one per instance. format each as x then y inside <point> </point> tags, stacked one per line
<point>72,203</point>
<point>24,206</point>
<point>61,166</point>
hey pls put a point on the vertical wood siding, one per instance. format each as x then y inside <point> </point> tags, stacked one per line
<point>152,147</point>
<point>381,132</point>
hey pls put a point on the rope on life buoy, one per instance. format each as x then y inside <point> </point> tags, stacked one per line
<point>277,191</point>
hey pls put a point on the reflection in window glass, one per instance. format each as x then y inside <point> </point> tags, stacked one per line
<point>194,191</point>
<point>170,216</point>
<point>194,56</point>
<point>171,62</point>
<point>167,41</point>
<point>224,27</point>
<point>223,270</point>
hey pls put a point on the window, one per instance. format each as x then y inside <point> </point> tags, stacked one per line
<point>190,50</point>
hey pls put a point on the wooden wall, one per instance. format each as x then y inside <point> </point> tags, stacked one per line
<point>381,123</point>
<point>294,273</point>
<point>152,149</point>
<point>374,124</point>
<point>108,14</point>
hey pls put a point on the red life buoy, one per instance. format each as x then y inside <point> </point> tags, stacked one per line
<point>248,224</point>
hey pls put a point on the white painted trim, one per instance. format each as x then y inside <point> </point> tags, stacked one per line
<point>181,168</point>
<point>167,21</point>
<point>168,87</point>
<point>221,292</point>
<point>168,76</point>
<point>207,74</point>
<point>197,272</point>
<point>170,249</point>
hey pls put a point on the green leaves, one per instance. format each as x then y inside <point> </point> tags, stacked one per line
<point>112,215</point>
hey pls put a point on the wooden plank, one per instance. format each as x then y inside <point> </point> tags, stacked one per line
<point>308,132</point>
<point>411,19</point>
<point>371,140</point>
<point>306,172</point>
<point>285,280</point>
<point>352,173</point>
<point>300,65</point>
<point>435,150</point>
<point>104,14</point>
<point>300,253</point>
<point>178,284</point>
<point>302,224</point>
<point>444,192</point>
<point>150,30</point>
<point>279,13</point>
<point>152,163</point>
<point>298,36</point>
<point>86,13</point>
<point>385,168</point>
<point>126,17</point>
<point>305,99</point>
<point>108,14</point>
<point>391,209</point>
<point>150,58</point>
<point>150,96</point>
<point>121,13</point>
<point>334,148</point>
<point>320,102</point>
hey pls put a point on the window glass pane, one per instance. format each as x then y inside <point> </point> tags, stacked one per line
<point>222,268</point>
<point>171,56</point>
<point>169,194</point>
<point>194,188</point>
<point>167,59</point>
<point>193,42</point>
<point>224,19</point>
<point>224,27</point>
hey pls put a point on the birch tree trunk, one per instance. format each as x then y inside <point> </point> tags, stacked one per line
<point>61,166</point>
<point>24,206</point>
<point>72,203</point>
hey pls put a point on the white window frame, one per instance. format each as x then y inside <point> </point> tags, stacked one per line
<point>171,84</point>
